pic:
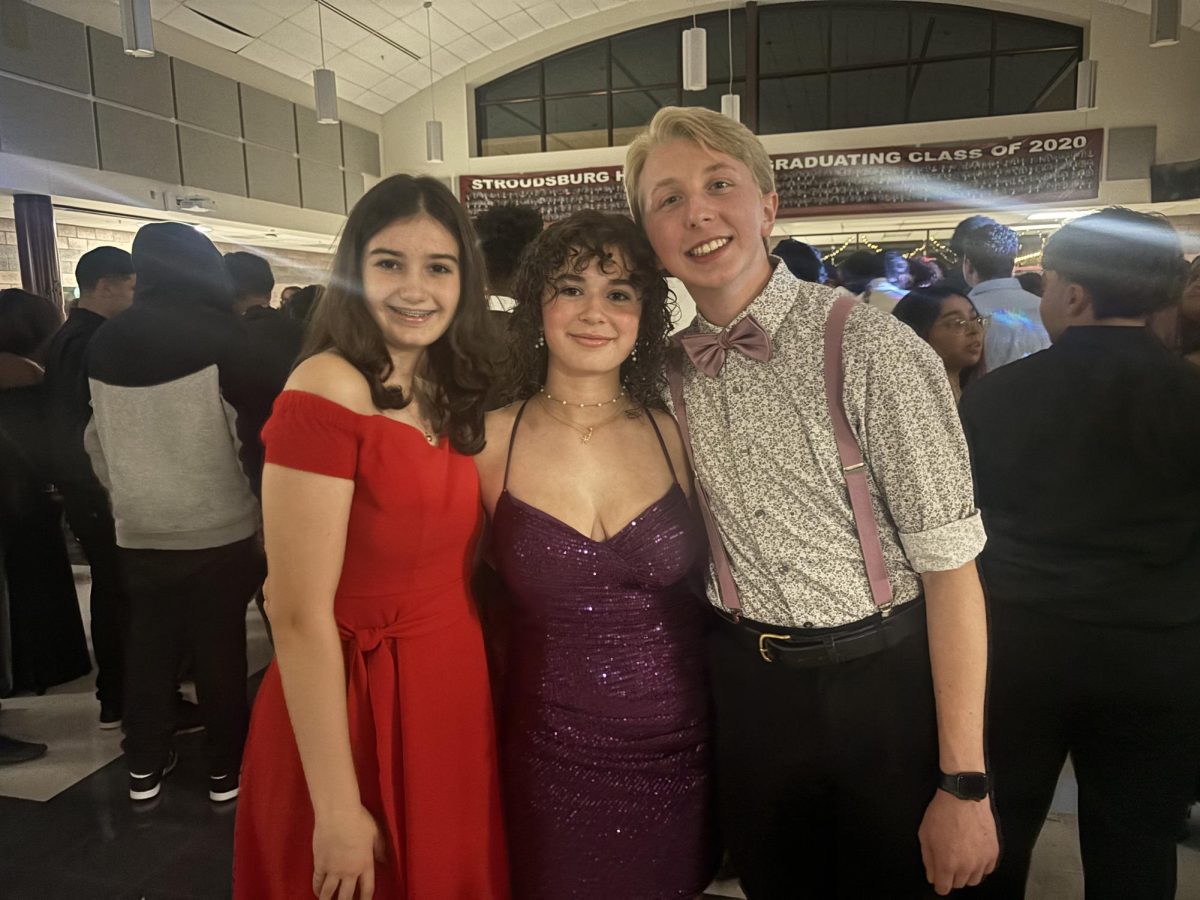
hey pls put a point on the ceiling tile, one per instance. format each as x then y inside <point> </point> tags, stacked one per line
<point>468,49</point>
<point>196,25</point>
<point>407,36</point>
<point>276,59</point>
<point>339,32</point>
<point>498,9</point>
<point>291,37</point>
<point>249,18</point>
<point>463,13</point>
<point>375,103</point>
<point>520,25</point>
<point>577,9</point>
<point>370,14</point>
<point>160,8</point>
<point>445,62</point>
<point>358,71</point>
<point>395,90</point>
<point>548,14</point>
<point>494,37</point>
<point>381,54</point>
<point>444,31</point>
<point>286,8</point>
<point>416,73</point>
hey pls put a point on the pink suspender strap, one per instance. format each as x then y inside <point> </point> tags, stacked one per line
<point>853,468</point>
<point>726,588</point>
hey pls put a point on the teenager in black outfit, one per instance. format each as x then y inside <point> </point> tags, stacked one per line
<point>1087,468</point>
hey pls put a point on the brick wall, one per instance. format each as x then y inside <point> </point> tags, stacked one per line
<point>291,267</point>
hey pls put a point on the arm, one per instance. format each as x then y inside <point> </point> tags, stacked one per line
<point>958,837</point>
<point>918,458</point>
<point>306,516</point>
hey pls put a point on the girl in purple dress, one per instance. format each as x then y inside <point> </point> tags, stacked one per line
<point>604,734</point>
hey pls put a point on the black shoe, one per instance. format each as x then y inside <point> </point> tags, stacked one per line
<point>146,787</point>
<point>223,788</point>
<point>187,716</point>
<point>14,751</point>
<point>110,716</point>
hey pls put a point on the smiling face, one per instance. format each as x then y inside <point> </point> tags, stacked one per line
<point>707,218</point>
<point>411,282</point>
<point>955,335</point>
<point>591,317</point>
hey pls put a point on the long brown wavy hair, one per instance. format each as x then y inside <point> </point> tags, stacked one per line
<point>572,245</point>
<point>455,367</point>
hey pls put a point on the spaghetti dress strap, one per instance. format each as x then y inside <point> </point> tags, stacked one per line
<point>512,439</point>
<point>662,443</point>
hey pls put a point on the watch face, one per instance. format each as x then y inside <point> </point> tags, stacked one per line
<point>973,784</point>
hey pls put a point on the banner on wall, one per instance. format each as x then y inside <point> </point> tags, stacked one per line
<point>1041,168</point>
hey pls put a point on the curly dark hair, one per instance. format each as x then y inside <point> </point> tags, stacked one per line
<point>456,363</point>
<point>504,232</point>
<point>572,245</point>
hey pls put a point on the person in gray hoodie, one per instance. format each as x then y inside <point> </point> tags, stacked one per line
<point>174,395</point>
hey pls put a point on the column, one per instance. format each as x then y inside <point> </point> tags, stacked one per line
<point>37,246</point>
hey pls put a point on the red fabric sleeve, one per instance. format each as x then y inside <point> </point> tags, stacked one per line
<point>312,434</point>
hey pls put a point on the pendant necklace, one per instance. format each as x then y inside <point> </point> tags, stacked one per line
<point>585,432</point>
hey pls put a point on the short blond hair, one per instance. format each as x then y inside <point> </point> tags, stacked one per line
<point>708,129</point>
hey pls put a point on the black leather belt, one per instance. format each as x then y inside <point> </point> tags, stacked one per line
<point>800,648</point>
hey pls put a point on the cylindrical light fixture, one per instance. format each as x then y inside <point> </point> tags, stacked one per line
<point>434,152</point>
<point>1085,84</point>
<point>695,59</point>
<point>137,28</point>
<point>325,84</point>
<point>731,103</point>
<point>731,106</point>
<point>1166,21</point>
<point>433,142</point>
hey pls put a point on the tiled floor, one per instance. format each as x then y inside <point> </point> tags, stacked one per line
<point>87,842</point>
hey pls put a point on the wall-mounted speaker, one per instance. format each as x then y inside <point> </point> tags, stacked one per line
<point>1165,22</point>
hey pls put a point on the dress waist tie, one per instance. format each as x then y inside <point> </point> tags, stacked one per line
<point>375,728</point>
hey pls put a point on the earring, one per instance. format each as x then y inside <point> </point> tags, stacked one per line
<point>540,342</point>
<point>633,355</point>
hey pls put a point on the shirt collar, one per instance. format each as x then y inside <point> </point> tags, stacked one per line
<point>997,284</point>
<point>770,307</point>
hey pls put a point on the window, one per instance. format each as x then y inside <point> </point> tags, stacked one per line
<point>821,64</point>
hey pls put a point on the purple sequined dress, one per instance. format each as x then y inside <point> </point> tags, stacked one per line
<point>604,732</point>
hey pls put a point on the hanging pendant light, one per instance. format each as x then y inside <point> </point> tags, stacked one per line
<point>731,103</point>
<point>434,151</point>
<point>695,56</point>
<point>137,28</point>
<point>325,83</point>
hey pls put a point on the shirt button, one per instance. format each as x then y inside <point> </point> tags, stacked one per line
<point>760,514</point>
<point>783,570</point>
<point>808,625</point>
<point>736,389</point>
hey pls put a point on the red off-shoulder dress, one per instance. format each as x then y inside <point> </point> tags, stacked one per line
<point>420,714</point>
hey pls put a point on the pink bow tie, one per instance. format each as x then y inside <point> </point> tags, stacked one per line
<point>707,351</point>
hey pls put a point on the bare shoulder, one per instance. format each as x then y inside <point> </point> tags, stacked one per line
<point>330,376</point>
<point>669,429</point>
<point>497,426</point>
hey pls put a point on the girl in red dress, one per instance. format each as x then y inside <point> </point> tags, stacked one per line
<point>370,769</point>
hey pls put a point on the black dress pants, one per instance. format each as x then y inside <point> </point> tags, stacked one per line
<point>188,600</point>
<point>824,774</point>
<point>1125,704</point>
<point>91,521</point>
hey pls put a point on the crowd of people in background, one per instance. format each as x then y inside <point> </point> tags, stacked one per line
<point>859,439</point>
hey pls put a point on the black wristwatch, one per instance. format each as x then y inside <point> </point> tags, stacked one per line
<point>966,785</point>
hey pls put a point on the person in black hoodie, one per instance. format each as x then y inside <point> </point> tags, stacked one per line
<point>105,277</point>
<point>275,338</point>
<point>173,395</point>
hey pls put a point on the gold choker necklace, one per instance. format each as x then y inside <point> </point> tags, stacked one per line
<point>547,395</point>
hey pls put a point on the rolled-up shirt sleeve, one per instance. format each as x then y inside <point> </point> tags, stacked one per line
<point>899,403</point>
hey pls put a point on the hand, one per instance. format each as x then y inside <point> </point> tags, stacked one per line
<point>345,848</point>
<point>958,842</point>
